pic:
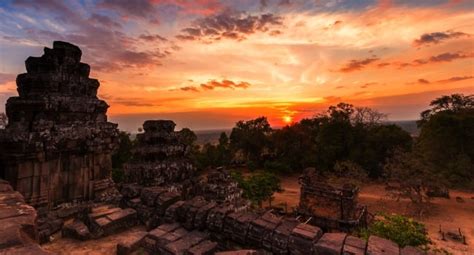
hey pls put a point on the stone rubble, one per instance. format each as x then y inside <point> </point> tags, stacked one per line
<point>18,230</point>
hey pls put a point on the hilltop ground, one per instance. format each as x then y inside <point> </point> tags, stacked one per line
<point>447,213</point>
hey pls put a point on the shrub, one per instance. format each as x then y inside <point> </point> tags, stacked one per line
<point>400,229</point>
<point>259,186</point>
<point>277,167</point>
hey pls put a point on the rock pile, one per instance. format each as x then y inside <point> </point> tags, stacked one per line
<point>219,186</point>
<point>57,145</point>
<point>18,231</point>
<point>276,236</point>
<point>100,221</point>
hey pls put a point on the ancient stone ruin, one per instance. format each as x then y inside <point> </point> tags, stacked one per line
<point>160,158</point>
<point>329,207</point>
<point>57,145</point>
<point>219,186</point>
<point>56,153</point>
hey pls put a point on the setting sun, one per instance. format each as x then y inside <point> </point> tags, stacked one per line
<point>287,119</point>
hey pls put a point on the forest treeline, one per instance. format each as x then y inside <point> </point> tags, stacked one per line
<point>351,141</point>
<point>356,140</point>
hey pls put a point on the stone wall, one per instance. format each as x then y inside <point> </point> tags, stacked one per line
<point>189,232</point>
<point>57,145</point>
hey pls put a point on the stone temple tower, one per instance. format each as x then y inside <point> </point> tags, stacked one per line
<point>57,145</point>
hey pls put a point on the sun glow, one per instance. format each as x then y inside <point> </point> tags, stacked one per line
<point>287,119</point>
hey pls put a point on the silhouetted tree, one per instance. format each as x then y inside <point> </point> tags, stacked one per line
<point>447,137</point>
<point>121,156</point>
<point>410,176</point>
<point>251,138</point>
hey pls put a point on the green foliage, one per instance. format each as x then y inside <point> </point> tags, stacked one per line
<point>447,138</point>
<point>214,155</point>
<point>350,172</point>
<point>277,167</point>
<point>402,230</point>
<point>258,187</point>
<point>121,156</point>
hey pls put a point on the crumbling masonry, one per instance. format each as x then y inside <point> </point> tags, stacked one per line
<point>57,145</point>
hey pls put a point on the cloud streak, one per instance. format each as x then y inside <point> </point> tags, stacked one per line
<point>214,84</point>
<point>437,37</point>
<point>356,65</point>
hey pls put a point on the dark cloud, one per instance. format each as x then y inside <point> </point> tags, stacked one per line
<point>449,80</point>
<point>423,81</point>
<point>383,64</point>
<point>137,8</point>
<point>366,85</point>
<point>455,79</point>
<point>105,45</point>
<point>189,88</point>
<point>356,65</point>
<point>152,38</point>
<point>6,77</point>
<point>229,25</point>
<point>227,84</point>
<point>444,57</point>
<point>104,20</point>
<point>448,57</point>
<point>437,37</point>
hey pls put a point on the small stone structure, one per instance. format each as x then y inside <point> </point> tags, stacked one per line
<point>329,207</point>
<point>160,158</point>
<point>57,145</point>
<point>219,186</point>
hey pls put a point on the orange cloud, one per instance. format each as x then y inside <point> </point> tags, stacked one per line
<point>356,65</point>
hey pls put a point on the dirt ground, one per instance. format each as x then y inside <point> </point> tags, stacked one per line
<point>106,245</point>
<point>447,213</point>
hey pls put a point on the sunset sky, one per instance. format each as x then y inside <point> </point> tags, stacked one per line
<point>207,63</point>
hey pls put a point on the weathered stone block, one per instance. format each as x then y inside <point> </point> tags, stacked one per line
<point>132,243</point>
<point>354,246</point>
<point>186,242</point>
<point>302,238</point>
<point>204,248</point>
<point>77,230</point>
<point>381,246</point>
<point>330,244</point>
<point>281,236</point>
